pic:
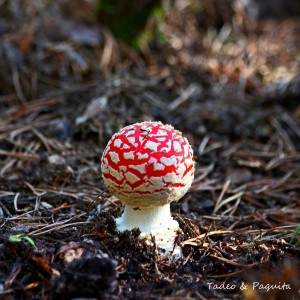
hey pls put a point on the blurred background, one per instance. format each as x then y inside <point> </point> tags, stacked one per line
<point>46,45</point>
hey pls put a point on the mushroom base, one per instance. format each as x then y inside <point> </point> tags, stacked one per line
<point>152,221</point>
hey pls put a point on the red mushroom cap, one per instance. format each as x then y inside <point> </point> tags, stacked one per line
<point>148,164</point>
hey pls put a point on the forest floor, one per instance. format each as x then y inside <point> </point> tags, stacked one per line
<point>66,86</point>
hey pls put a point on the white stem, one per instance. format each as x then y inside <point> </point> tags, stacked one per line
<point>147,219</point>
<point>156,221</point>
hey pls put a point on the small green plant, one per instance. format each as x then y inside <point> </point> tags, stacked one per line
<point>294,240</point>
<point>129,20</point>
<point>17,238</point>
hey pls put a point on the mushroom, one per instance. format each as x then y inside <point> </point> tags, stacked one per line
<point>147,166</point>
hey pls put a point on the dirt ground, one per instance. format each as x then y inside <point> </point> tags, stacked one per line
<point>229,83</point>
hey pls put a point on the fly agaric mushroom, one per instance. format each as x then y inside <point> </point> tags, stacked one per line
<point>147,166</point>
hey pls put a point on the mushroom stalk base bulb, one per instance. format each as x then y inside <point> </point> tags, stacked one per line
<point>152,221</point>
